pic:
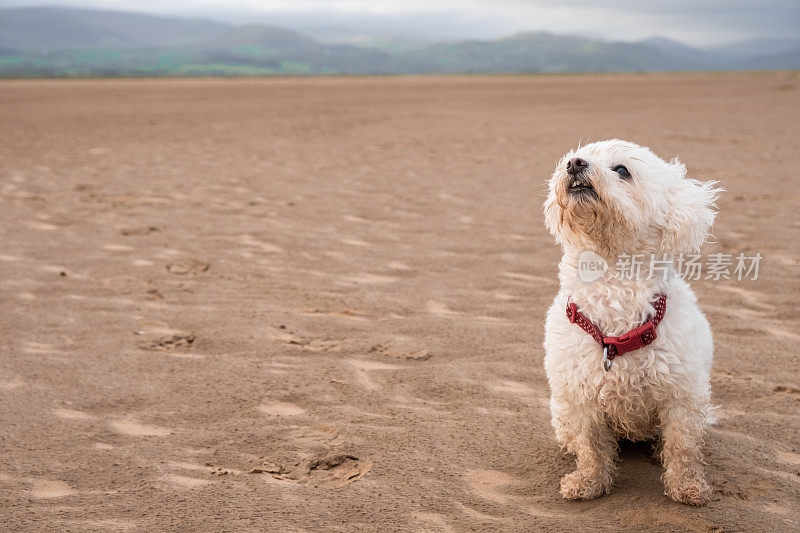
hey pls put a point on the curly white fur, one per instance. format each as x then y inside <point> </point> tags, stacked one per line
<point>661,390</point>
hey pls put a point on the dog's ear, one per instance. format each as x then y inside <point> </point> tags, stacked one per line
<point>691,212</point>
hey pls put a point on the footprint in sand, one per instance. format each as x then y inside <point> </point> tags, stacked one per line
<point>179,341</point>
<point>51,489</point>
<point>185,267</point>
<point>783,389</point>
<point>207,468</point>
<point>401,352</point>
<point>154,295</point>
<point>133,428</point>
<point>141,230</point>
<point>158,337</point>
<point>290,338</point>
<point>324,470</point>
<point>281,409</point>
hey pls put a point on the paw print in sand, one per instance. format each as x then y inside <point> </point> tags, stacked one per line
<point>185,267</point>
<point>163,339</point>
<point>325,470</point>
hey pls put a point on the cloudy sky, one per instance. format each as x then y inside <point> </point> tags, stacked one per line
<point>698,22</point>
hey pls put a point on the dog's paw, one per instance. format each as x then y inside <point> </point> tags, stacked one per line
<point>578,486</point>
<point>694,492</point>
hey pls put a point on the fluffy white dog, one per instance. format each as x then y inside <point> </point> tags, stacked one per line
<point>615,198</point>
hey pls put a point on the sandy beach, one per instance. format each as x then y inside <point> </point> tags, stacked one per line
<point>318,304</point>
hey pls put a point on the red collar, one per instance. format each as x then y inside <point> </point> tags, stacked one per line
<point>627,342</point>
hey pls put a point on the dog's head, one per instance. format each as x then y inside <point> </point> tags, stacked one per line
<point>618,197</point>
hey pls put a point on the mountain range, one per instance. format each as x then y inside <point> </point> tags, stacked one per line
<point>49,41</point>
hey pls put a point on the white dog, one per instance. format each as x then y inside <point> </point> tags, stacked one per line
<point>615,198</point>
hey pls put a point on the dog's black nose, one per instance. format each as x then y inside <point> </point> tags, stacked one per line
<point>576,165</point>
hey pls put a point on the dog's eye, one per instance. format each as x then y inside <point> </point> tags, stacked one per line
<point>623,172</point>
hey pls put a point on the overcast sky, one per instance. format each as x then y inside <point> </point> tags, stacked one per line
<point>698,22</point>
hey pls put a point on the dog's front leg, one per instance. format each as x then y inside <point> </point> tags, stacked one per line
<point>682,436</point>
<point>587,436</point>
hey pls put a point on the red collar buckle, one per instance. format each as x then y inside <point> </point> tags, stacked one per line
<point>628,342</point>
<point>632,340</point>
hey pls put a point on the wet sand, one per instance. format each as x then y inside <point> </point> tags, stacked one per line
<point>303,304</point>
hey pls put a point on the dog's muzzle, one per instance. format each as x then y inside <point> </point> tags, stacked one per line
<point>579,184</point>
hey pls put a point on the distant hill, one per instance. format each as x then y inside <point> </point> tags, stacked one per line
<point>756,48</point>
<point>51,28</point>
<point>261,36</point>
<point>284,51</point>
<point>49,41</point>
<point>681,51</point>
<point>542,52</point>
<point>784,60</point>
